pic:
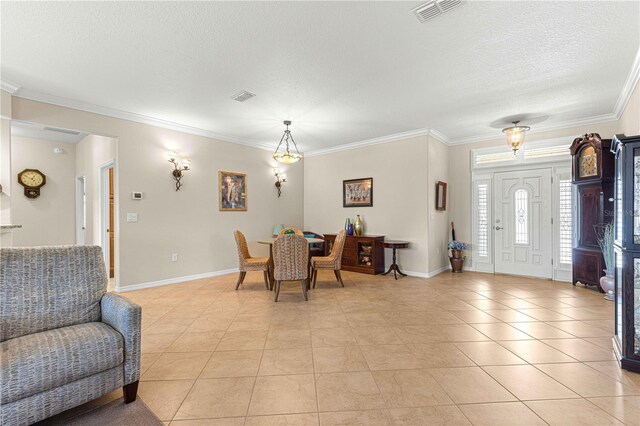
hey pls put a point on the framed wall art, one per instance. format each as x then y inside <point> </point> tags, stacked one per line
<point>441,196</point>
<point>357,192</point>
<point>232,191</point>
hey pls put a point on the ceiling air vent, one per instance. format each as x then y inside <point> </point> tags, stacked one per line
<point>242,96</point>
<point>430,10</point>
<point>65,131</point>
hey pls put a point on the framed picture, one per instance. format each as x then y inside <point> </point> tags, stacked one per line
<point>232,191</point>
<point>441,196</point>
<point>357,192</point>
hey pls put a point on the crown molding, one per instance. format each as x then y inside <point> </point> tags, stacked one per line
<point>368,142</point>
<point>440,136</point>
<point>8,86</point>
<point>130,116</point>
<point>629,85</point>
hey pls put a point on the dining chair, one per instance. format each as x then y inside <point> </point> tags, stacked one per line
<point>248,263</point>
<point>332,262</point>
<point>291,230</point>
<point>290,258</point>
<point>315,249</point>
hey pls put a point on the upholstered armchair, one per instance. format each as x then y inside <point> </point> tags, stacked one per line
<point>290,258</point>
<point>64,341</point>
<point>248,263</point>
<point>332,262</point>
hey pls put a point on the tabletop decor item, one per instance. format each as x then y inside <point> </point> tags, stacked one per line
<point>232,191</point>
<point>350,228</point>
<point>346,223</point>
<point>605,234</point>
<point>358,226</point>
<point>357,192</point>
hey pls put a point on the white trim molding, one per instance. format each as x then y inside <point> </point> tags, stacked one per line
<point>368,142</point>
<point>176,280</point>
<point>8,86</point>
<point>627,89</point>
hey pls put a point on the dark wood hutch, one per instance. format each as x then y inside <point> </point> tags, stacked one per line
<point>593,180</point>
<point>361,253</point>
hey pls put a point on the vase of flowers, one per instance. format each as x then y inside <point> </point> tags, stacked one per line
<point>606,235</point>
<point>456,258</point>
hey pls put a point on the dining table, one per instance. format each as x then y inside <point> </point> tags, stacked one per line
<point>270,241</point>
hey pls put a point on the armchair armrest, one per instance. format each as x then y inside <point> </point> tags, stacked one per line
<point>125,317</point>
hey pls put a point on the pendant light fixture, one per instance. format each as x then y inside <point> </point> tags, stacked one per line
<point>285,156</point>
<point>515,136</point>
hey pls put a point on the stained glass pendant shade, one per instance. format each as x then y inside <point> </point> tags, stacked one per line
<point>515,136</point>
<point>284,155</point>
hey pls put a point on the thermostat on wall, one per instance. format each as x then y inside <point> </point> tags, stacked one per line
<point>136,195</point>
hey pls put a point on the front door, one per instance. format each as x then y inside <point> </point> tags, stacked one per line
<point>522,225</point>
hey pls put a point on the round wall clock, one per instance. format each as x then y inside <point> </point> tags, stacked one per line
<point>32,180</point>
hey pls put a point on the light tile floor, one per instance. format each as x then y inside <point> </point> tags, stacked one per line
<point>454,349</point>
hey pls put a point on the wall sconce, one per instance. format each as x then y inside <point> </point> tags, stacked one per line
<point>178,167</point>
<point>280,179</point>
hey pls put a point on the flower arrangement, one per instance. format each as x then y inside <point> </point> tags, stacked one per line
<point>457,245</point>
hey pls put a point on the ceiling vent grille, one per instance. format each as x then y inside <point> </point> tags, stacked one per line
<point>430,10</point>
<point>242,96</point>
<point>65,131</point>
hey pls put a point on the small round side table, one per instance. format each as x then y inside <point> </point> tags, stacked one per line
<point>394,266</point>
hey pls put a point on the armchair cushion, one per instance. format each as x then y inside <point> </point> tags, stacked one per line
<point>41,361</point>
<point>43,288</point>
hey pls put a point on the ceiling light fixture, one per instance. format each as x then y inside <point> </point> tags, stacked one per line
<point>515,136</point>
<point>285,156</point>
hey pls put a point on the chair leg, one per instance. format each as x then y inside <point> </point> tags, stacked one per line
<point>277,285</point>
<point>337,271</point>
<point>240,279</point>
<point>266,280</point>
<point>315,277</point>
<point>130,391</point>
<point>304,289</point>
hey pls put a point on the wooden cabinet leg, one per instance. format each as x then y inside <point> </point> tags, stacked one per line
<point>129,392</point>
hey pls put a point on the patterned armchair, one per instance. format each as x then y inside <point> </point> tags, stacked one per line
<point>64,341</point>
<point>291,257</point>
<point>291,230</point>
<point>248,263</point>
<point>332,261</point>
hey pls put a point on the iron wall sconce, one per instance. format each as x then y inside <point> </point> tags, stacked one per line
<point>179,166</point>
<point>280,179</point>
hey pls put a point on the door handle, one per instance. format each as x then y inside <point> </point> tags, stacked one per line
<point>497,228</point>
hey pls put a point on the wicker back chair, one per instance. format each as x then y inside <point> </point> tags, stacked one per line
<point>248,263</point>
<point>332,262</point>
<point>289,230</point>
<point>290,258</point>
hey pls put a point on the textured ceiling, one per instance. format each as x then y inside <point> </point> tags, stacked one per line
<point>342,71</point>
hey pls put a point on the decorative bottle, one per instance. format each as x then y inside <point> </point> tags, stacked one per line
<point>358,226</point>
<point>346,224</point>
<point>350,229</point>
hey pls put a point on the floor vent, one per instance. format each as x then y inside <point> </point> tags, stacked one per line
<point>430,10</point>
<point>242,96</point>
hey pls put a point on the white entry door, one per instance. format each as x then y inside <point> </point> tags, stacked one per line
<point>522,225</point>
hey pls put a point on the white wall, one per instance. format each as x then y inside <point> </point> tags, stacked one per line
<point>629,123</point>
<point>50,218</point>
<point>399,171</point>
<point>92,152</point>
<point>439,224</point>
<point>186,222</point>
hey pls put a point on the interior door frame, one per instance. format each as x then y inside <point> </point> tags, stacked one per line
<point>81,210</point>
<point>103,197</point>
<point>552,209</point>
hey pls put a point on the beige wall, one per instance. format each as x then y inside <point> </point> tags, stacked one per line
<point>92,152</point>
<point>186,222</point>
<point>439,227</point>
<point>50,218</point>
<point>399,171</point>
<point>630,120</point>
<point>5,166</point>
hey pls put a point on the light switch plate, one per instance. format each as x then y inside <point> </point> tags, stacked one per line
<point>132,217</point>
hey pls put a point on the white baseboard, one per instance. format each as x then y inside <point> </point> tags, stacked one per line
<point>437,271</point>
<point>175,280</point>
<point>416,274</point>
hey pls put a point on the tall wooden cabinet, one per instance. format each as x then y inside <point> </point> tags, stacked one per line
<point>593,180</point>
<point>627,251</point>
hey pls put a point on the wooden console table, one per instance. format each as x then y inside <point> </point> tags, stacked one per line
<point>362,253</point>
